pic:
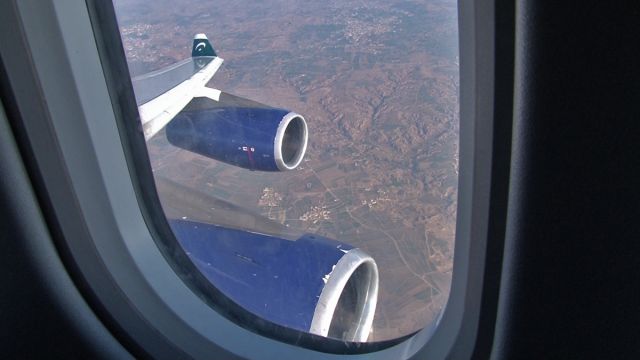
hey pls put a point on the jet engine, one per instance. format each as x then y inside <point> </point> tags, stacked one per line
<point>241,132</point>
<point>313,284</point>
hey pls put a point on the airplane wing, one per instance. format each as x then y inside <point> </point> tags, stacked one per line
<point>180,201</point>
<point>214,124</point>
<point>301,281</point>
<point>162,94</point>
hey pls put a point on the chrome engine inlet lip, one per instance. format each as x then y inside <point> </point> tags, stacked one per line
<point>279,138</point>
<point>335,284</point>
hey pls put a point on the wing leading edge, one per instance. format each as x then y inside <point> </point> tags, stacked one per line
<point>162,94</point>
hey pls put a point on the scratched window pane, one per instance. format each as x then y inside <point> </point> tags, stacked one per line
<point>332,207</point>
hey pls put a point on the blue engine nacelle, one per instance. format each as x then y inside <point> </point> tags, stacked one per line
<point>241,132</point>
<point>312,284</point>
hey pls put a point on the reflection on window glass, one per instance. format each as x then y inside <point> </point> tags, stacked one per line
<point>332,208</point>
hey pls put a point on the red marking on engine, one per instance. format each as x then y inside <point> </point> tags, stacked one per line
<point>252,164</point>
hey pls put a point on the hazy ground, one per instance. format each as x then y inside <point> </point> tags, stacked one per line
<point>378,84</point>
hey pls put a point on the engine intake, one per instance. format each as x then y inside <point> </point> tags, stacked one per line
<point>313,284</point>
<point>241,132</point>
<point>290,141</point>
<point>348,300</point>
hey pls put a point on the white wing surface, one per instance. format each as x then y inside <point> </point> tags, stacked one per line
<point>173,92</point>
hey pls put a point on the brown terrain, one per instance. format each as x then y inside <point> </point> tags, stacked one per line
<point>377,82</point>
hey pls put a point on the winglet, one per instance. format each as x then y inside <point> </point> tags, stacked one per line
<point>202,46</point>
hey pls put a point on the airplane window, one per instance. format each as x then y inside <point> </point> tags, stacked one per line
<point>327,202</point>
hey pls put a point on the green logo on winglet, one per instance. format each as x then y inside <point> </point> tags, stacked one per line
<point>202,46</point>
